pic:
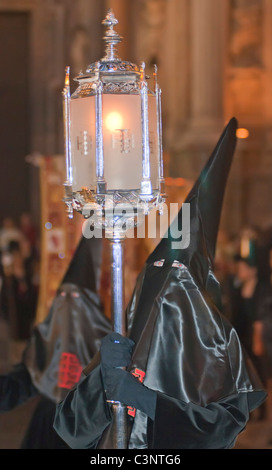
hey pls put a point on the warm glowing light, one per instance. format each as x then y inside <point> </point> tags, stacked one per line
<point>169,181</point>
<point>114,121</point>
<point>242,133</point>
<point>67,76</point>
<point>245,247</point>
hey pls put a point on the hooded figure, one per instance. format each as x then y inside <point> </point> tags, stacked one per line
<point>60,346</point>
<point>194,386</point>
<point>66,341</point>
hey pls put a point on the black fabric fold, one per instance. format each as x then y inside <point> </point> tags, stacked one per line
<point>84,269</point>
<point>185,349</point>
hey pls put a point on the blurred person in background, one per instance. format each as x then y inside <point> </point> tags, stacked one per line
<point>246,296</point>
<point>250,288</point>
<point>59,347</point>
<point>29,231</point>
<point>18,297</point>
<point>9,232</point>
<point>225,269</point>
<point>262,335</point>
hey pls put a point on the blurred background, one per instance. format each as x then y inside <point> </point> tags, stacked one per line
<point>214,61</point>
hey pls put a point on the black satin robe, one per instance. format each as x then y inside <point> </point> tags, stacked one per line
<point>59,347</point>
<point>187,352</point>
<point>53,360</point>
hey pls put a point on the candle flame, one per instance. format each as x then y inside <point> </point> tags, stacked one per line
<point>67,76</point>
<point>142,71</point>
<point>114,121</point>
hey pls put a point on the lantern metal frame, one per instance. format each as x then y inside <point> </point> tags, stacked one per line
<point>114,76</point>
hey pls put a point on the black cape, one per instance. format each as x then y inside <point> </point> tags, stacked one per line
<point>185,349</point>
<point>59,347</point>
<point>66,341</point>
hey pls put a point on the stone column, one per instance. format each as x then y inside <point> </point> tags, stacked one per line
<point>161,37</point>
<point>149,18</point>
<point>205,74</point>
<point>248,97</point>
<point>208,31</point>
<point>84,44</point>
<point>173,75</point>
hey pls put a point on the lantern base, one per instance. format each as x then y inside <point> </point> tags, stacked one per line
<point>82,199</point>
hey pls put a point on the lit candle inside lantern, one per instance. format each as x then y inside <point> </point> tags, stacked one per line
<point>114,127</point>
<point>114,121</point>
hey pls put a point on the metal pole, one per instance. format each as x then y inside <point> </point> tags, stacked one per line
<point>119,411</point>
<point>67,126</point>
<point>67,142</point>
<point>117,285</point>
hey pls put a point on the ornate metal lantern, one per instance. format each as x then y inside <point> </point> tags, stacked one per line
<point>113,134</point>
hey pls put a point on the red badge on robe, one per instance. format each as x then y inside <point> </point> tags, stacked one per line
<point>69,370</point>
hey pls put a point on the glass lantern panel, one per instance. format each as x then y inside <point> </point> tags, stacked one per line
<point>83,142</point>
<point>153,141</point>
<point>122,136</point>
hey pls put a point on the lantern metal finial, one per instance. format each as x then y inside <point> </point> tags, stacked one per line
<point>111,38</point>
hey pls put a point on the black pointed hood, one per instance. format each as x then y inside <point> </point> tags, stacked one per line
<point>184,347</point>
<point>205,199</point>
<point>85,267</point>
<point>66,341</point>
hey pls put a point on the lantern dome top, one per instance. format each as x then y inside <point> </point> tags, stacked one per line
<point>111,65</point>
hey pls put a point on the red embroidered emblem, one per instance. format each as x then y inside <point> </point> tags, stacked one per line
<point>69,370</point>
<point>159,263</point>
<point>177,264</point>
<point>140,374</point>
